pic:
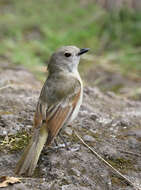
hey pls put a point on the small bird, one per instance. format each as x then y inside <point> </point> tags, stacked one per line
<point>58,104</point>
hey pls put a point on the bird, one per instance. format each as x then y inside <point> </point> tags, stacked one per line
<point>58,104</point>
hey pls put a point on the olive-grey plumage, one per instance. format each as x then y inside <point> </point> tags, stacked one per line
<point>58,104</point>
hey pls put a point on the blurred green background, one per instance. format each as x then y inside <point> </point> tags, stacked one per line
<point>31,30</point>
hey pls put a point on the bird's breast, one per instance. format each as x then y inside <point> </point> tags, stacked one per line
<point>77,107</point>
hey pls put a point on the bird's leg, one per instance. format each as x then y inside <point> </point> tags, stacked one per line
<point>55,142</point>
<point>62,138</point>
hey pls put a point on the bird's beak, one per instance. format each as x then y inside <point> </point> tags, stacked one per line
<point>83,50</point>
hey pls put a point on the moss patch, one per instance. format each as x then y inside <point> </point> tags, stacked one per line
<point>14,142</point>
<point>121,163</point>
<point>118,181</point>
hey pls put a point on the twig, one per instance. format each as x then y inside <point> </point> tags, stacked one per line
<point>133,153</point>
<point>7,86</point>
<point>29,178</point>
<point>107,163</point>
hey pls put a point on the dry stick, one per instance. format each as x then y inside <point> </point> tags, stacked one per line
<point>128,152</point>
<point>7,86</point>
<point>107,163</point>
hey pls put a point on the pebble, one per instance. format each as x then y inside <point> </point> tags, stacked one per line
<point>4,132</point>
<point>109,152</point>
<point>29,126</point>
<point>88,138</point>
<point>133,143</point>
<point>68,131</point>
<point>73,187</point>
<point>135,132</point>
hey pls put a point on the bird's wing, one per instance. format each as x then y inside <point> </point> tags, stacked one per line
<point>63,113</point>
<point>58,113</point>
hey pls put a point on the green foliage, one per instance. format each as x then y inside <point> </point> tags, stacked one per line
<point>123,28</point>
<point>32,29</point>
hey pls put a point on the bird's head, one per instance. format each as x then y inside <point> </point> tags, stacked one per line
<point>66,58</point>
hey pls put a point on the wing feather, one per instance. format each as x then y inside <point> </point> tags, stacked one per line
<point>56,123</point>
<point>56,114</point>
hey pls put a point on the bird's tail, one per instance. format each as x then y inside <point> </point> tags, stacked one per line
<point>30,157</point>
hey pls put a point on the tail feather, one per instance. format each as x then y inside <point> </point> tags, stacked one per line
<point>30,157</point>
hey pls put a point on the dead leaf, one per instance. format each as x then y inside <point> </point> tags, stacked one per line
<point>6,180</point>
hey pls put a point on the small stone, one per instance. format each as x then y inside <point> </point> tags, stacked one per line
<point>93,116</point>
<point>75,172</point>
<point>68,131</point>
<point>74,187</point>
<point>29,126</point>
<point>4,132</point>
<point>75,148</point>
<point>135,132</point>
<point>109,152</point>
<point>67,187</point>
<point>94,131</point>
<point>133,143</point>
<point>88,138</point>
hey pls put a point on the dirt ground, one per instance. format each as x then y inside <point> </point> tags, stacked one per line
<point>109,123</point>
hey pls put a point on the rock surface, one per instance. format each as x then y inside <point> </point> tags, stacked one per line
<point>110,124</point>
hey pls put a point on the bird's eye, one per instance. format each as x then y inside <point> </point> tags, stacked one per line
<point>67,54</point>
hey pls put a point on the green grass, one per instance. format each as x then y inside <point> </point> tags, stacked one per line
<point>31,30</point>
